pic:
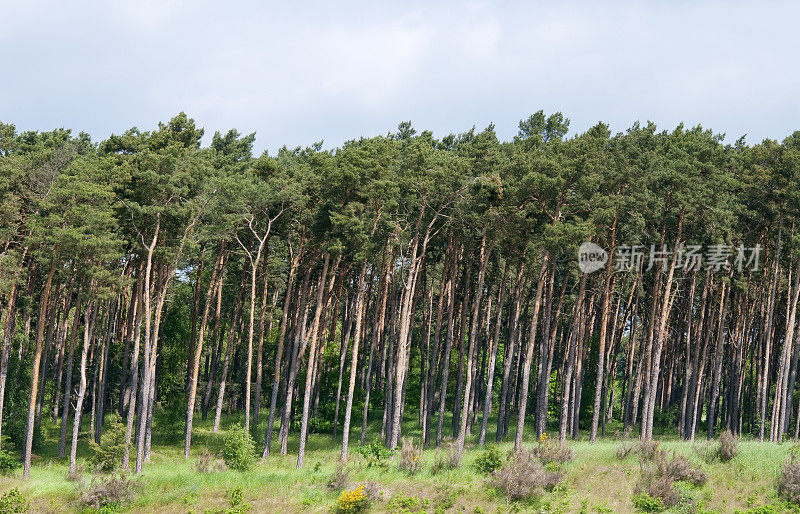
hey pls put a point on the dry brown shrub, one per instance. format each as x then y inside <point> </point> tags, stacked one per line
<point>410,457</point>
<point>551,452</point>
<point>679,469</point>
<point>789,485</point>
<point>624,449</point>
<point>649,449</point>
<point>447,457</point>
<point>208,462</point>
<point>111,491</point>
<point>340,479</point>
<point>524,476</point>
<point>728,446</point>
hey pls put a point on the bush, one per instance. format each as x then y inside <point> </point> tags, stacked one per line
<point>624,449</point>
<point>107,456</point>
<point>236,501</point>
<point>549,452</point>
<point>399,502</point>
<point>447,457</point>
<point>8,463</point>
<point>489,460</point>
<point>238,449</point>
<point>340,478</point>
<point>728,446</point>
<point>355,500</point>
<point>112,491</point>
<point>648,449</point>
<point>13,501</point>
<point>208,462</point>
<point>658,477</point>
<point>15,426</point>
<point>789,485</point>
<point>410,457</point>
<point>646,503</point>
<point>376,454</point>
<point>524,476</point>
<point>679,469</point>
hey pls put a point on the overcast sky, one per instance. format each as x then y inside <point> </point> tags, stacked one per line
<point>299,72</point>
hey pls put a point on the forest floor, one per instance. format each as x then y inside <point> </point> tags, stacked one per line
<point>597,480</point>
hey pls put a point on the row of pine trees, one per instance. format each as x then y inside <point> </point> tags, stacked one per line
<point>399,281</point>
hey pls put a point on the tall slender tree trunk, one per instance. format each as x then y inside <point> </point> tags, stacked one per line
<point>37,358</point>
<point>359,309</point>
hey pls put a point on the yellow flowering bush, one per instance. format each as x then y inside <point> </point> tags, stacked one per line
<point>354,500</point>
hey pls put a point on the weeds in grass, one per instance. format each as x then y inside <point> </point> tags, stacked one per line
<point>235,497</point>
<point>646,503</point>
<point>401,503</point>
<point>726,448</point>
<point>376,454</point>
<point>14,501</point>
<point>679,469</point>
<point>410,457</point>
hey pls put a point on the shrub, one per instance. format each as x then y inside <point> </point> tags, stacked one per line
<point>648,449</point>
<point>238,449</point>
<point>524,476</point>
<point>707,452</point>
<point>13,501</point>
<point>789,485</point>
<point>107,456</point>
<point>410,457</point>
<point>728,446</point>
<point>658,477</point>
<point>208,462</point>
<point>340,478</point>
<point>624,449</point>
<point>399,502</point>
<point>646,503</point>
<point>372,490</point>
<point>447,457</point>
<point>355,500</point>
<point>680,469</point>
<point>236,501</point>
<point>8,463</point>
<point>376,454</point>
<point>550,452</point>
<point>15,426</point>
<point>489,460</point>
<point>112,491</point>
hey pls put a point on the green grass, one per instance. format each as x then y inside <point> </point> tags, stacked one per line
<point>596,481</point>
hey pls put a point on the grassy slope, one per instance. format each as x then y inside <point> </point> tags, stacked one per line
<point>595,481</point>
